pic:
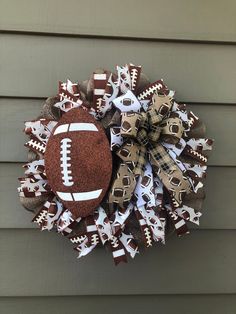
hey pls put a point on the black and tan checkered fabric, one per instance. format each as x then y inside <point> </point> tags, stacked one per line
<point>162,158</point>
<point>142,159</point>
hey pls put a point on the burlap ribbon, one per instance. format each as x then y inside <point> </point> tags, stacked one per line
<point>142,134</point>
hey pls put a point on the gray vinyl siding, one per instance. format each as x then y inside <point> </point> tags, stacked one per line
<point>192,46</point>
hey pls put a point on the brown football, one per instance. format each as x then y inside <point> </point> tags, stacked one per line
<point>78,162</point>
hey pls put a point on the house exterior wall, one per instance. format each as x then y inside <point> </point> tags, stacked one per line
<point>192,46</point>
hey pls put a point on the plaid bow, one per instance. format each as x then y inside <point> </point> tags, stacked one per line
<point>142,133</point>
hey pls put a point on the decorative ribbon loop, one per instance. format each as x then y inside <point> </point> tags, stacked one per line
<point>172,130</point>
<point>161,105</point>
<point>130,123</point>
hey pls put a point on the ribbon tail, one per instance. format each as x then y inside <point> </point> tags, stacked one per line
<point>174,180</point>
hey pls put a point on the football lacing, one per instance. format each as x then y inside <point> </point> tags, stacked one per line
<point>37,145</point>
<point>149,91</point>
<point>134,76</point>
<point>65,162</point>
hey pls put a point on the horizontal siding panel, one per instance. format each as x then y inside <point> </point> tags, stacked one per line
<point>44,264</point>
<point>198,72</point>
<point>217,215</point>
<point>184,19</point>
<point>178,304</point>
<point>13,113</point>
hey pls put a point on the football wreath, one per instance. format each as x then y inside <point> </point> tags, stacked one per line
<point>115,161</point>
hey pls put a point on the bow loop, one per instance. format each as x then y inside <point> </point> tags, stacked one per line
<point>172,130</point>
<point>157,122</point>
<point>130,124</point>
<point>159,108</point>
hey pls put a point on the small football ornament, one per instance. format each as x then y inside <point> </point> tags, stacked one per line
<point>78,162</point>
